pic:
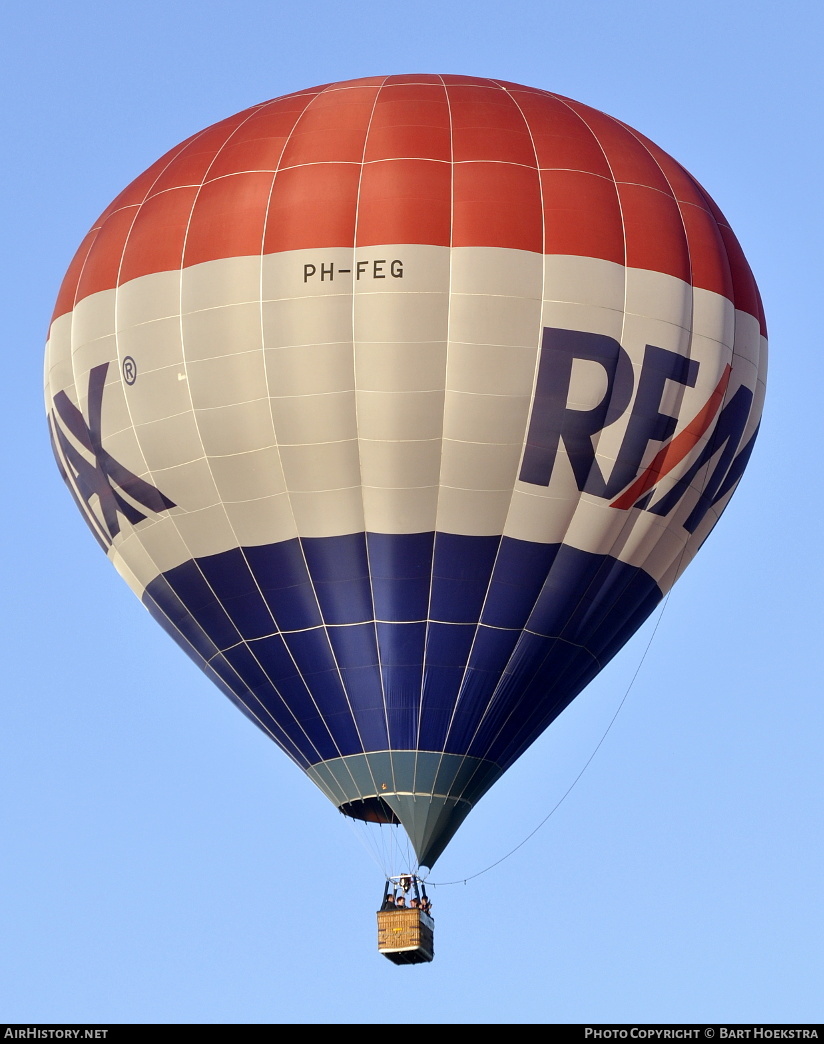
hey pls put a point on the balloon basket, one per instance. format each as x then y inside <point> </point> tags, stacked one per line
<point>406,936</point>
<point>406,933</point>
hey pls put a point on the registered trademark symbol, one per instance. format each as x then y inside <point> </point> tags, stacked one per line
<point>129,370</point>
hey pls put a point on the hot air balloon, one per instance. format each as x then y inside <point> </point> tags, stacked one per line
<point>400,403</point>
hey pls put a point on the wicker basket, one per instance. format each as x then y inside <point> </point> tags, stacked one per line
<point>406,936</point>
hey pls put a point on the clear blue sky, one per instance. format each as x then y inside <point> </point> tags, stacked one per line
<point>161,860</point>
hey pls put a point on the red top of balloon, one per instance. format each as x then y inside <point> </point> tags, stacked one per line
<point>441,160</point>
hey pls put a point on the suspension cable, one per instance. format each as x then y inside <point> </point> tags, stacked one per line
<point>570,788</point>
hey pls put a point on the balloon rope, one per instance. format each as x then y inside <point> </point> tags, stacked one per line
<point>568,791</point>
<point>384,846</point>
<point>379,860</point>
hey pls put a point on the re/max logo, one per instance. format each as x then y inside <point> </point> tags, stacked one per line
<point>553,421</point>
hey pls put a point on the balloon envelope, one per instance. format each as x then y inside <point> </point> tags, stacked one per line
<point>400,403</point>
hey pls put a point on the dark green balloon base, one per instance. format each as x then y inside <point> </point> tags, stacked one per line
<point>427,792</point>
